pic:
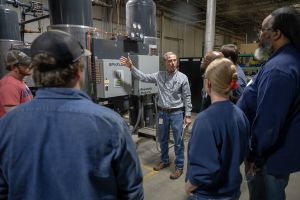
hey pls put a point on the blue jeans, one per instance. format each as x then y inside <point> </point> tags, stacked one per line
<point>235,196</point>
<point>175,121</point>
<point>267,187</point>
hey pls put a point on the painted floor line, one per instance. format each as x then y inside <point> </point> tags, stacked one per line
<point>150,173</point>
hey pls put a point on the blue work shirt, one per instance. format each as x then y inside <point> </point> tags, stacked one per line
<point>247,102</point>
<point>63,146</point>
<point>217,147</point>
<point>274,109</point>
<point>242,82</point>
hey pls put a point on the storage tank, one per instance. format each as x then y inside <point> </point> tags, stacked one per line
<point>77,12</point>
<point>9,24</point>
<point>141,19</point>
<point>9,34</point>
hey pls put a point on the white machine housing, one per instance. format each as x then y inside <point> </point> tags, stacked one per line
<point>114,79</point>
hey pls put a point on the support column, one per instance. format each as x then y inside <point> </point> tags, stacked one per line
<point>162,33</point>
<point>210,26</point>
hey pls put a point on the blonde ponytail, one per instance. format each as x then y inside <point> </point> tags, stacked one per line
<point>223,76</point>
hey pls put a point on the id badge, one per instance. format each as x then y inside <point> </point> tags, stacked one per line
<point>160,121</point>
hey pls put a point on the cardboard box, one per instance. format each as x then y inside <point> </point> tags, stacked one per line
<point>248,48</point>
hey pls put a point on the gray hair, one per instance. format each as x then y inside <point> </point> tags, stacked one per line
<point>165,56</point>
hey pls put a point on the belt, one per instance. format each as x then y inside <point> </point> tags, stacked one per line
<point>169,110</point>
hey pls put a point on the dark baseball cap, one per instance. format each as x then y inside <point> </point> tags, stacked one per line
<point>14,57</point>
<point>61,45</point>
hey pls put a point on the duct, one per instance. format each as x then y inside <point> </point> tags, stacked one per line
<point>210,26</point>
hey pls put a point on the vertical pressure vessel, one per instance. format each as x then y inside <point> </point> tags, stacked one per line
<point>76,12</point>
<point>141,18</point>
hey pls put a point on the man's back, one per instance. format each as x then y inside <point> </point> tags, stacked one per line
<point>277,113</point>
<point>63,146</point>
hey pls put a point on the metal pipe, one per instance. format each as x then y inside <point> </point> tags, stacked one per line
<point>17,3</point>
<point>34,19</point>
<point>23,18</point>
<point>210,26</point>
<point>101,3</point>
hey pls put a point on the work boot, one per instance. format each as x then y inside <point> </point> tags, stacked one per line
<point>176,174</point>
<point>160,166</point>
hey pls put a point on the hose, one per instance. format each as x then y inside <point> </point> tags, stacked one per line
<point>139,115</point>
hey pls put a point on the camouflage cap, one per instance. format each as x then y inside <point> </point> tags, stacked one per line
<point>16,57</point>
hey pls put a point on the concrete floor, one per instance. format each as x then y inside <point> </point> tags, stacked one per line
<point>158,185</point>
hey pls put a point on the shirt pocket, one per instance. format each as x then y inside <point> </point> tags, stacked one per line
<point>177,87</point>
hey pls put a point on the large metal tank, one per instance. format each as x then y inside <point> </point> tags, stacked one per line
<point>74,17</point>
<point>9,24</point>
<point>76,12</point>
<point>9,34</point>
<point>141,18</point>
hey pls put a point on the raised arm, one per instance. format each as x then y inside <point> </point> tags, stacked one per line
<point>149,78</point>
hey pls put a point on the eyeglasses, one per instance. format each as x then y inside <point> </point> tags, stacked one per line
<point>263,30</point>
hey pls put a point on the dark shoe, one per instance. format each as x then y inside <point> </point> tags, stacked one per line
<point>160,166</point>
<point>176,174</point>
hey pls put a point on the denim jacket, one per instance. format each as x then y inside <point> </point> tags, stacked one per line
<point>63,146</point>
